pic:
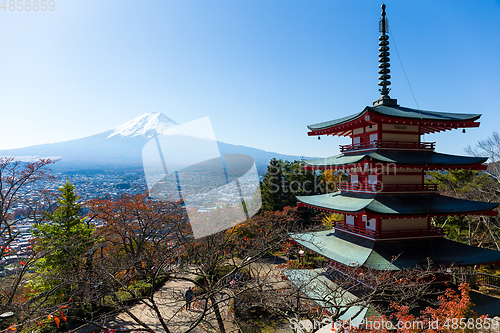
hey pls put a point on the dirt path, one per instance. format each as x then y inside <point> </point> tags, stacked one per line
<point>171,303</point>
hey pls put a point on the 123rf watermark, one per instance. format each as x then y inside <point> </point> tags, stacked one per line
<point>450,324</point>
<point>28,5</point>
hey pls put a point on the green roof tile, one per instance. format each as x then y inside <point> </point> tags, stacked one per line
<point>395,204</point>
<point>401,157</point>
<point>353,251</point>
<point>318,286</point>
<point>343,250</point>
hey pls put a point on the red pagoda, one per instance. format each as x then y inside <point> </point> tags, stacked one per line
<point>386,205</point>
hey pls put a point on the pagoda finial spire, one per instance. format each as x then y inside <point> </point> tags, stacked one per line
<point>384,57</point>
<point>384,63</point>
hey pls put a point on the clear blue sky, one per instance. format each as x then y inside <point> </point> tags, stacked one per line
<point>261,69</point>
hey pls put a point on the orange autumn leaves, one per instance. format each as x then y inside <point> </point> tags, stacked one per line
<point>453,308</point>
<point>133,224</point>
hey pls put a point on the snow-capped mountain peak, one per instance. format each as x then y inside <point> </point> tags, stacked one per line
<point>148,125</point>
<point>152,124</point>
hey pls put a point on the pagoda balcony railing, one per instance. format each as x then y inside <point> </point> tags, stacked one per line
<point>388,145</point>
<point>373,234</point>
<point>377,188</point>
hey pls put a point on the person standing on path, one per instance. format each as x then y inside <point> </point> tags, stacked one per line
<point>188,295</point>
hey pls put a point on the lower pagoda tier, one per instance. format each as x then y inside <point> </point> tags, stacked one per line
<point>396,205</point>
<point>319,283</point>
<point>421,159</point>
<point>354,251</point>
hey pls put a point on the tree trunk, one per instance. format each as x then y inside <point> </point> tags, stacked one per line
<point>491,233</point>
<point>215,305</point>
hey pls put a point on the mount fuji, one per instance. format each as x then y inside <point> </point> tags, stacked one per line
<point>121,147</point>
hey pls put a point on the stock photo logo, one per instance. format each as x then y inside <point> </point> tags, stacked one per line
<point>185,164</point>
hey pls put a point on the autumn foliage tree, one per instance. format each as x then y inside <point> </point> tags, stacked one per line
<point>16,180</point>
<point>133,225</point>
<point>453,314</point>
<point>20,186</point>
<point>137,239</point>
<point>330,179</point>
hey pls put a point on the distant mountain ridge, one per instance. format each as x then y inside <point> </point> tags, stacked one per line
<point>121,147</point>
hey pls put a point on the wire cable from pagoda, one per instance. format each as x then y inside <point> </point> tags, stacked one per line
<point>418,108</point>
<point>406,76</point>
<point>415,99</point>
<point>407,80</point>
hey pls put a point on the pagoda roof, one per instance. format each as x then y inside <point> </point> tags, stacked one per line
<point>402,113</point>
<point>399,112</point>
<point>422,204</point>
<point>355,251</point>
<point>318,285</point>
<point>431,160</point>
